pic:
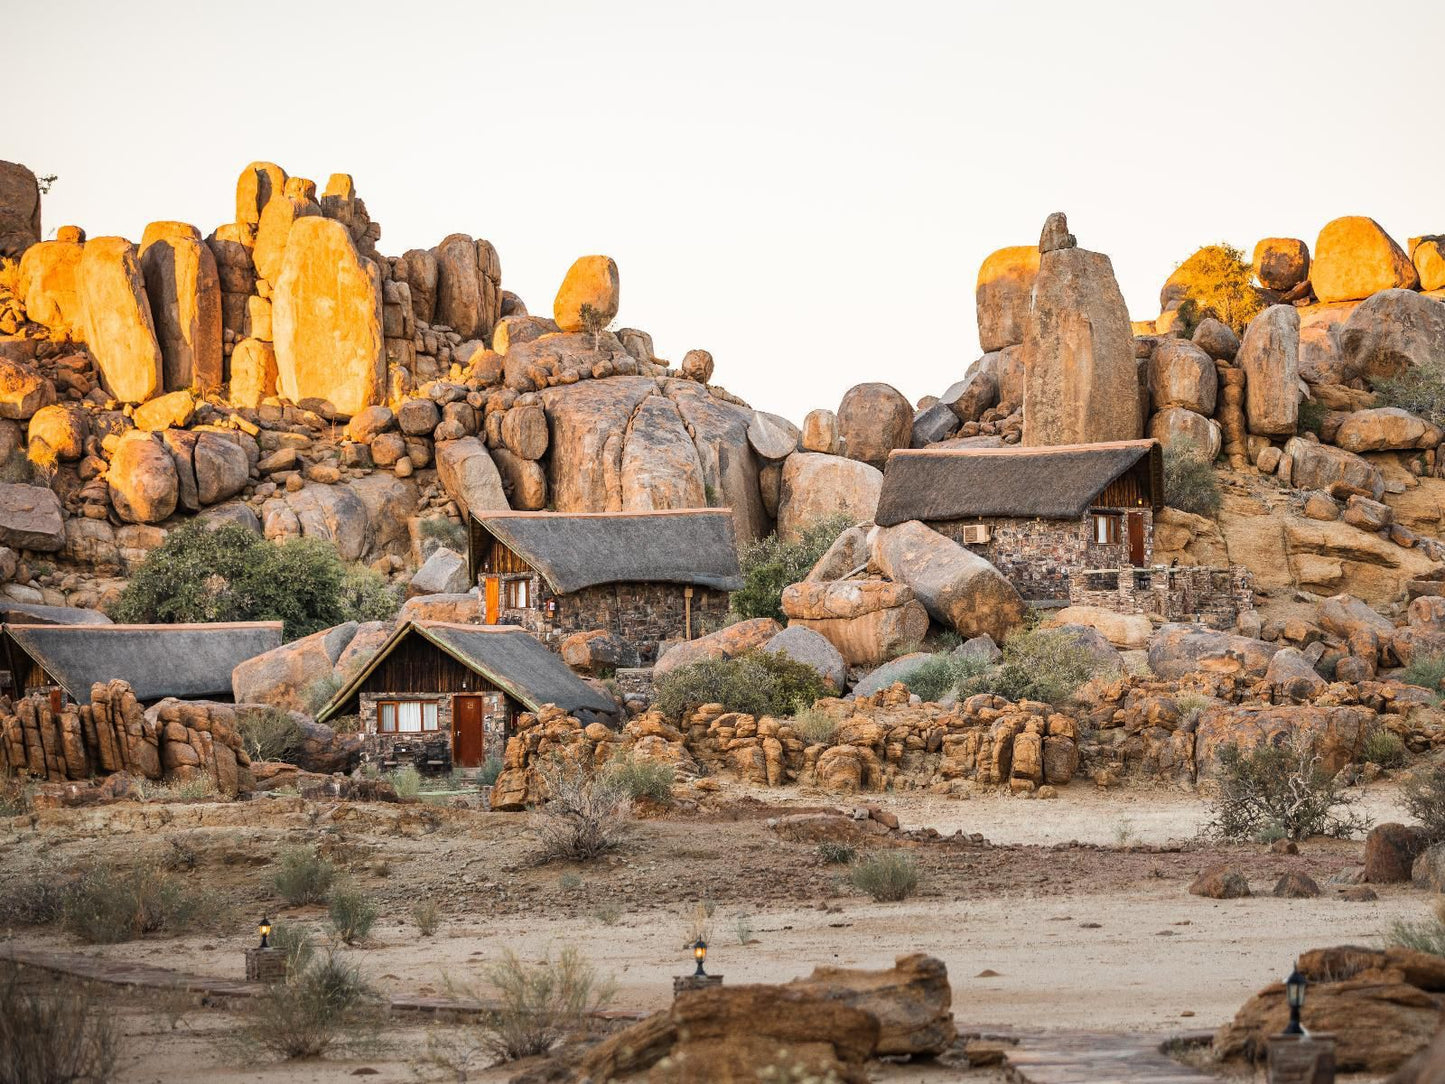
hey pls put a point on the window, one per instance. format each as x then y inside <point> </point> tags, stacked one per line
<point>516,594</point>
<point>1108,528</point>
<point>405,716</point>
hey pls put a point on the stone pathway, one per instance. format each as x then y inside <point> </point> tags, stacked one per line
<point>1084,1057</point>
<point>1065,1057</point>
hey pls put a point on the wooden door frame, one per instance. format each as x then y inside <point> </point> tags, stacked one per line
<point>457,730</point>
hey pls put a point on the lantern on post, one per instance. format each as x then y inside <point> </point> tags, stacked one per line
<point>264,929</point>
<point>699,953</point>
<point>1294,993</point>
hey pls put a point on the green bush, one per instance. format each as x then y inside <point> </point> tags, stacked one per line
<point>650,779</point>
<point>449,532</point>
<point>888,876</point>
<point>106,905</point>
<point>304,876</point>
<point>1426,671</point>
<point>771,564</point>
<point>53,1032</point>
<point>1279,791</point>
<point>1384,747</point>
<point>233,574</point>
<point>352,915</point>
<point>1042,664</point>
<point>406,780</point>
<point>1217,281</point>
<point>488,772</point>
<point>270,734</point>
<point>756,683</point>
<point>1420,389</point>
<point>1424,796</point>
<point>1312,416</point>
<point>942,674</point>
<point>814,726</point>
<point>1189,481</point>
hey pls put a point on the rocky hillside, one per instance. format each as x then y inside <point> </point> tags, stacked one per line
<point>281,372</point>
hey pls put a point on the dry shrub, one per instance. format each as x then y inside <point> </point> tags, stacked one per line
<point>106,905</point>
<point>814,726</point>
<point>650,779</point>
<point>584,814</point>
<point>888,876</point>
<point>270,734</point>
<point>352,915</point>
<point>540,1004</point>
<point>325,1005</point>
<point>1279,791</point>
<point>427,917</point>
<point>1424,796</point>
<point>54,1036</point>
<point>304,876</point>
<point>1190,484</point>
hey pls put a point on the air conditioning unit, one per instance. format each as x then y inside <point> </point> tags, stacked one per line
<point>975,534</point>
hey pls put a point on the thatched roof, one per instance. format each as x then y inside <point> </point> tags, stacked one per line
<point>32,613</point>
<point>576,550</point>
<point>510,658</point>
<point>189,662</point>
<point>1059,482</point>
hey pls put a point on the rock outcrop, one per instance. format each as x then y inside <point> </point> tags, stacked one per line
<point>1082,382</point>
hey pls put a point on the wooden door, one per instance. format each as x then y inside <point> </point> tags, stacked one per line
<point>468,737</point>
<point>1136,539</point>
<point>494,599</point>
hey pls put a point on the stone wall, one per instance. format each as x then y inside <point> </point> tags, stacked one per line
<point>1210,596</point>
<point>431,745</point>
<point>174,741</point>
<point>1038,555</point>
<point>643,614</point>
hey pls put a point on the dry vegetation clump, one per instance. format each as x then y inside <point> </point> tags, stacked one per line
<point>105,905</point>
<point>755,683</point>
<point>583,817</point>
<point>1424,796</point>
<point>1274,792</point>
<point>887,876</point>
<point>1218,281</point>
<point>325,1004</point>
<point>651,780</point>
<point>814,726</point>
<point>540,1004</point>
<point>270,734</point>
<point>1427,935</point>
<point>1190,484</point>
<point>304,876</point>
<point>53,1034</point>
<point>352,914</point>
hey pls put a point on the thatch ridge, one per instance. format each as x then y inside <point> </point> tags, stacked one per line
<point>575,550</point>
<point>506,655</point>
<point>1057,482</point>
<point>188,662</point>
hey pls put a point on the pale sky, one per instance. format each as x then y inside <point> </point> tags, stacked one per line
<point>804,189</point>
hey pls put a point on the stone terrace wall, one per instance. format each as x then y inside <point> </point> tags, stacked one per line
<point>1037,556</point>
<point>1216,595</point>
<point>174,741</point>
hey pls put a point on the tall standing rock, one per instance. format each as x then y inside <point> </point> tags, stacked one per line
<point>1081,377</point>
<point>1269,357</point>
<point>421,276</point>
<point>660,465</point>
<point>19,209</point>
<point>326,319</point>
<point>468,286</point>
<point>1354,258</point>
<point>49,287</point>
<point>279,218</point>
<point>258,184</point>
<point>184,289</point>
<point>592,281</point>
<point>118,325</point>
<point>1005,284</point>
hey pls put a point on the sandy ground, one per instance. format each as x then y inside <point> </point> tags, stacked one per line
<point>1100,933</point>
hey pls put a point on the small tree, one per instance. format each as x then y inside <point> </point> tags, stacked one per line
<point>583,815</point>
<point>1279,790</point>
<point>1218,281</point>
<point>595,322</point>
<point>771,564</point>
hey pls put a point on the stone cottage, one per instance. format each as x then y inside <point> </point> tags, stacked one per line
<point>1039,515</point>
<point>437,694</point>
<point>188,662</point>
<point>647,577</point>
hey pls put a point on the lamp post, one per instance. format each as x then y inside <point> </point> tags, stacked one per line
<point>699,953</point>
<point>1294,993</point>
<point>264,929</point>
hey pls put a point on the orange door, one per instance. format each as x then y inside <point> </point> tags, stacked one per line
<point>468,741</point>
<point>494,599</point>
<point>1136,539</point>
